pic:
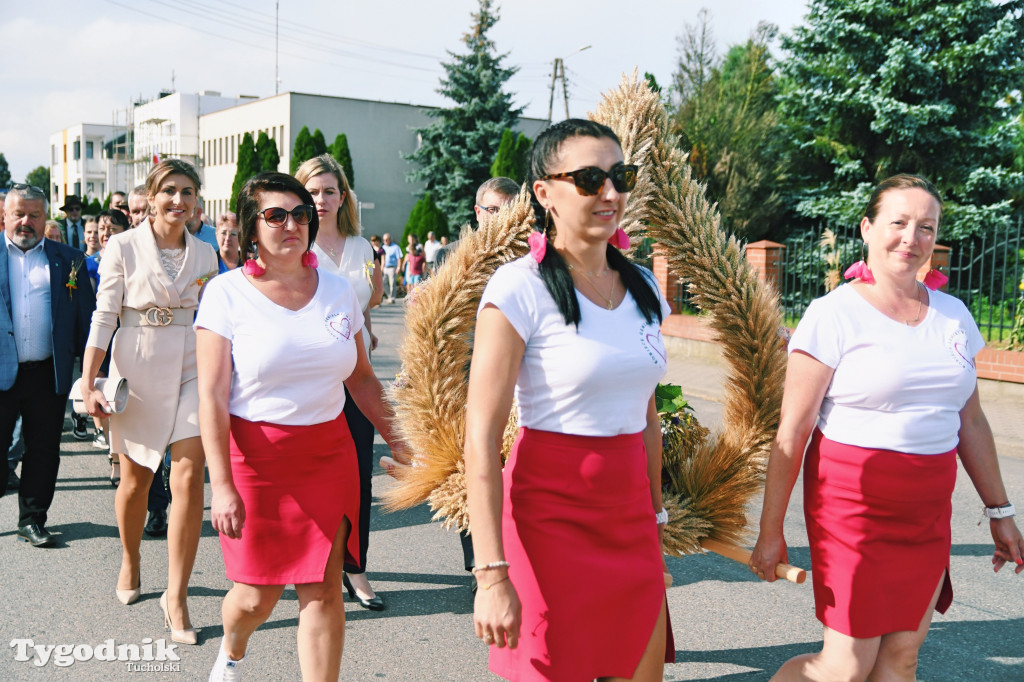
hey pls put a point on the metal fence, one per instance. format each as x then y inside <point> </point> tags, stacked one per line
<point>985,272</point>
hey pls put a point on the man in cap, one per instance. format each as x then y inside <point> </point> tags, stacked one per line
<point>72,224</point>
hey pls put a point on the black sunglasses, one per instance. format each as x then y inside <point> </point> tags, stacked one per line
<point>277,217</point>
<point>590,180</point>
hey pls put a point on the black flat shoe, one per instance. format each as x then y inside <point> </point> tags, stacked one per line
<point>35,535</point>
<point>375,604</point>
<point>156,524</point>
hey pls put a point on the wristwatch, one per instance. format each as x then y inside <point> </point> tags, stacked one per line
<point>661,518</point>
<point>1003,512</point>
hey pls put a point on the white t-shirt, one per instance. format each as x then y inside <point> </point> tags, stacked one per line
<point>597,382</point>
<point>895,387</point>
<point>288,366</point>
<point>430,249</point>
<point>356,267</point>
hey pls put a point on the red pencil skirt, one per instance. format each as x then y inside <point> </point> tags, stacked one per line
<point>297,483</point>
<point>582,543</point>
<point>878,523</point>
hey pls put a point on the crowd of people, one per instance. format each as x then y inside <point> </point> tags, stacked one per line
<point>247,344</point>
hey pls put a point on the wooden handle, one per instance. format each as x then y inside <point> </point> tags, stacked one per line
<point>793,574</point>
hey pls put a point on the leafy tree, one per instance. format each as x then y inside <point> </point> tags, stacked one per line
<point>106,202</point>
<point>879,87</point>
<point>40,177</point>
<point>340,151</point>
<point>267,158</point>
<point>319,143</point>
<point>247,165</point>
<point>513,157</point>
<point>91,207</point>
<point>458,147</point>
<point>425,217</point>
<point>5,171</point>
<point>725,115</point>
<point>302,149</point>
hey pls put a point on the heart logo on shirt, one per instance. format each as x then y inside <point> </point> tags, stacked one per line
<point>650,339</point>
<point>960,349</point>
<point>339,326</point>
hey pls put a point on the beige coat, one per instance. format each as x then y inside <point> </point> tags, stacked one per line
<point>158,362</point>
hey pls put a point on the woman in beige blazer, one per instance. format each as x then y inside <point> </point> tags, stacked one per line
<point>150,279</point>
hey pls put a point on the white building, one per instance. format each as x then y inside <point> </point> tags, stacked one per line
<point>379,135</point>
<point>78,163</point>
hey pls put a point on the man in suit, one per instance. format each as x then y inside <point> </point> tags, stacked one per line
<point>44,322</point>
<point>72,224</point>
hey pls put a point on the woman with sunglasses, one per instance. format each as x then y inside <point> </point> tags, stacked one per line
<point>278,343</point>
<point>342,251</point>
<point>150,280</point>
<point>567,537</point>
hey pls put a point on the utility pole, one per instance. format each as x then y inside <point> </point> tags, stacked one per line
<point>558,71</point>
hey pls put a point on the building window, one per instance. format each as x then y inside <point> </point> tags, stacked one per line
<point>89,153</point>
<point>53,155</point>
<point>78,150</point>
<point>78,187</point>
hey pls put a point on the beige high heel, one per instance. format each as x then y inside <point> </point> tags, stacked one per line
<point>186,636</point>
<point>127,597</point>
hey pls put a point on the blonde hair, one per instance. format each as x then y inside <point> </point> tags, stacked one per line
<point>348,213</point>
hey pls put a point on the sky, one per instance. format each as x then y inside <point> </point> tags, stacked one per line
<point>77,61</point>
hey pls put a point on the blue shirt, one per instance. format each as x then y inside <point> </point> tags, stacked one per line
<point>207,234</point>
<point>392,254</point>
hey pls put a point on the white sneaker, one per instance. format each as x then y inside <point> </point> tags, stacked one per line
<point>100,441</point>
<point>224,669</point>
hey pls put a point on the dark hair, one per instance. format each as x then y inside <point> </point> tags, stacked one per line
<point>116,216</point>
<point>553,269</point>
<point>902,181</point>
<point>249,205</point>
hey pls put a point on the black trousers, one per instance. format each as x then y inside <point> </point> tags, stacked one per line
<point>467,550</point>
<point>34,397</point>
<point>362,434</point>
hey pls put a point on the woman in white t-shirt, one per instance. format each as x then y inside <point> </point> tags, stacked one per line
<point>567,537</point>
<point>884,367</point>
<point>276,339</point>
<point>341,251</point>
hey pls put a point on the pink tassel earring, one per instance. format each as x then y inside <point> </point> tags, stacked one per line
<point>253,269</point>
<point>861,271</point>
<point>309,260</point>
<point>935,279</point>
<point>620,239</point>
<point>538,245</point>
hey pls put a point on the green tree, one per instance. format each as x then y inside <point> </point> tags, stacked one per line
<point>319,143</point>
<point>246,166</point>
<point>91,207</point>
<point>425,217</point>
<point>106,202</point>
<point>39,177</point>
<point>725,114</point>
<point>302,149</point>
<point>267,158</point>
<point>5,171</point>
<point>340,151</point>
<point>879,87</point>
<point>513,157</point>
<point>458,147</point>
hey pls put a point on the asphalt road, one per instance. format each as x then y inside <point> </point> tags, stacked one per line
<point>727,625</point>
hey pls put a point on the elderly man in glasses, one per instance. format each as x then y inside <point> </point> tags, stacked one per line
<point>490,197</point>
<point>44,322</point>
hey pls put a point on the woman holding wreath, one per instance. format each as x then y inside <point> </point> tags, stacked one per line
<point>150,279</point>
<point>881,380</point>
<point>573,329</point>
<point>278,343</point>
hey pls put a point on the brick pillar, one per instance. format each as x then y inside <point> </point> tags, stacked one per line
<point>667,281</point>
<point>939,261</point>
<point>766,259</point>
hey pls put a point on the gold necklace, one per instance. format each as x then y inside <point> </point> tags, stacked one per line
<point>611,293</point>
<point>920,307</point>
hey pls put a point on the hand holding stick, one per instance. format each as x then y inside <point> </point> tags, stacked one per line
<point>793,574</point>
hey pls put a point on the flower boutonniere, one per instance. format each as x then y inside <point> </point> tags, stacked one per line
<point>72,282</point>
<point>205,278</point>
<point>368,272</point>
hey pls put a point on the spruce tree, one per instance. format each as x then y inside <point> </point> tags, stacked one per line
<point>880,87</point>
<point>458,147</point>
<point>340,151</point>
<point>267,158</point>
<point>302,149</point>
<point>246,166</point>
<point>319,143</point>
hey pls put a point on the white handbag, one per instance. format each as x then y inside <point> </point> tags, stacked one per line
<point>116,393</point>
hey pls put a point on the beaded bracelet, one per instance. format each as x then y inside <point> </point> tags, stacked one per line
<point>493,564</point>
